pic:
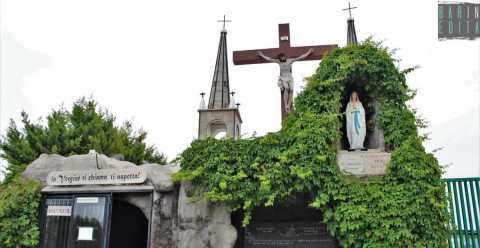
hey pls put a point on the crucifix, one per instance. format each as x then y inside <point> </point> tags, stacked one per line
<point>284,56</point>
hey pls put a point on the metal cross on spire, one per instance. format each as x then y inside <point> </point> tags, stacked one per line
<point>350,9</point>
<point>224,21</point>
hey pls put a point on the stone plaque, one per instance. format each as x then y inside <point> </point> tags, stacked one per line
<point>291,234</point>
<point>134,175</point>
<point>363,163</point>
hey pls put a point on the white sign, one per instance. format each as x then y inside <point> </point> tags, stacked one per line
<point>284,38</point>
<point>89,200</point>
<point>85,233</point>
<point>133,175</point>
<point>59,211</point>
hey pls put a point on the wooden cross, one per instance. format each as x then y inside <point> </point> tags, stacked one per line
<point>350,9</point>
<point>224,21</point>
<point>284,48</point>
<point>250,56</point>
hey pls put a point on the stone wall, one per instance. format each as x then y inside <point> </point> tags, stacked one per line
<point>202,224</point>
<point>176,221</point>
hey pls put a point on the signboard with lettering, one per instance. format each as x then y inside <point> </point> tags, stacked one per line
<point>59,210</point>
<point>291,234</point>
<point>133,175</point>
<point>458,20</point>
<point>363,163</point>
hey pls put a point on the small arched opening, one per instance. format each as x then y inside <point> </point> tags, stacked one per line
<point>218,130</point>
<point>129,226</point>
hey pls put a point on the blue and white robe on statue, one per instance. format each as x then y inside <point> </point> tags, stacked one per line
<point>356,128</point>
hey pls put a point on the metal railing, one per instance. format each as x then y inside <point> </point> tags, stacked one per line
<point>464,209</point>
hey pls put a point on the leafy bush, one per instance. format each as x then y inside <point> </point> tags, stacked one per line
<point>19,204</point>
<point>404,208</point>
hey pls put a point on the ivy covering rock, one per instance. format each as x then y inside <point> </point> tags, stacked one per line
<point>404,208</point>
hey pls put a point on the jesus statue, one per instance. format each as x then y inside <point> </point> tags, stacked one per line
<point>356,128</point>
<point>285,80</point>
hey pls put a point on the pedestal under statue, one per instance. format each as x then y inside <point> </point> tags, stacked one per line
<point>356,127</point>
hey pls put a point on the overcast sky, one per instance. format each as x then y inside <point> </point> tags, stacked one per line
<point>147,61</point>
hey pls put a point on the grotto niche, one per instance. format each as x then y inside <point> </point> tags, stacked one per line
<point>374,135</point>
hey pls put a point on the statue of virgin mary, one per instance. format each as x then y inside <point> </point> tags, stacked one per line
<point>356,128</point>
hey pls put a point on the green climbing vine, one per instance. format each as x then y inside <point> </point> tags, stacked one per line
<point>404,208</point>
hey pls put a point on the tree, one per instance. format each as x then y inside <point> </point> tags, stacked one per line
<point>86,126</point>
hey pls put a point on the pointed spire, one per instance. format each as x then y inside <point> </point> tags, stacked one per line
<point>202,105</point>
<point>220,92</point>
<point>351,33</point>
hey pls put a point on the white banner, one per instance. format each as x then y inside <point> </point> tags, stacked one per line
<point>133,175</point>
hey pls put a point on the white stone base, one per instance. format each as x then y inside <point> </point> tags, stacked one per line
<point>363,163</point>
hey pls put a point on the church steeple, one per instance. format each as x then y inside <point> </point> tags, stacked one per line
<point>220,92</point>
<point>221,118</point>
<point>351,33</point>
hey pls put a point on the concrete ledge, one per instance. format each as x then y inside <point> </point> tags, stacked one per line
<point>363,163</point>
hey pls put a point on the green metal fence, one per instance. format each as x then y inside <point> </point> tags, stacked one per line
<point>464,209</point>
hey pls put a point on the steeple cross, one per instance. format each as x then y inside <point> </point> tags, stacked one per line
<point>224,21</point>
<point>350,9</point>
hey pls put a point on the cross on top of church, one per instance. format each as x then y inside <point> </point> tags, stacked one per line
<point>224,21</point>
<point>350,9</point>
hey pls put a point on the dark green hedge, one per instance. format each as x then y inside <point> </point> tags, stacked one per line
<point>404,208</point>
